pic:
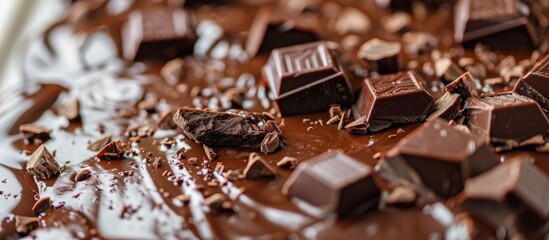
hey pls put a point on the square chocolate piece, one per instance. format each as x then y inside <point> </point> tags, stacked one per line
<point>157,33</point>
<point>334,182</point>
<point>535,84</point>
<point>491,21</point>
<point>306,78</point>
<point>391,99</point>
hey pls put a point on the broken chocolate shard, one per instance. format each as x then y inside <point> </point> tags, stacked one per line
<point>157,33</point>
<point>381,56</point>
<point>535,84</point>
<point>25,225</point>
<point>99,143</point>
<point>271,30</point>
<point>334,182</point>
<point>437,147</point>
<point>447,107</point>
<point>113,150</point>
<point>386,100</point>
<point>447,70</point>
<point>82,175</point>
<point>71,110</point>
<point>288,162</point>
<point>465,86</point>
<point>42,164</point>
<point>34,135</point>
<point>42,205</point>
<point>270,143</point>
<point>306,78</point>
<point>517,189</point>
<point>258,168</point>
<point>271,126</point>
<point>488,22</point>
<point>222,128</point>
<point>210,153</point>
<point>505,116</point>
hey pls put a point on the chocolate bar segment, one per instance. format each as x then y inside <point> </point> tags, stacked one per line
<point>157,33</point>
<point>443,157</point>
<point>334,182</point>
<point>515,193</point>
<point>306,78</point>
<point>272,29</point>
<point>398,98</point>
<point>535,84</point>
<point>489,22</point>
<point>506,116</point>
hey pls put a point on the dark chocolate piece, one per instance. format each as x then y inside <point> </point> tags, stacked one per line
<point>447,70</point>
<point>390,99</point>
<point>270,143</point>
<point>34,135</point>
<point>112,150</point>
<point>514,193</point>
<point>99,143</point>
<point>272,29</point>
<point>222,128</point>
<point>488,22</point>
<point>334,182</point>
<point>465,86</point>
<point>447,107</point>
<point>71,110</point>
<point>210,153</point>
<point>306,78</point>
<point>82,175</point>
<point>288,162</point>
<point>443,157</point>
<point>42,164</point>
<point>506,116</point>
<point>157,33</point>
<point>25,225</point>
<point>42,205</point>
<point>381,56</point>
<point>535,84</point>
<point>258,168</point>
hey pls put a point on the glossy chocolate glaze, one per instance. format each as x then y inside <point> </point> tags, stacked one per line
<point>131,198</point>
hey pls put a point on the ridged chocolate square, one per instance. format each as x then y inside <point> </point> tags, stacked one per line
<point>306,78</point>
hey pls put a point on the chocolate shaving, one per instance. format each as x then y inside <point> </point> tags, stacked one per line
<point>210,154</point>
<point>34,135</point>
<point>258,168</point>
<point>42,205</point>
<point>400,196</point>
<point>288,162</point>
<point>71,110</point>
<point>113,150</point>
<point>82,175</point>
<point>42,164</point>
<point>271,126</point>
<point>99,143</point>
<point>25,225</point>
<point>270,143</point>
<point>165,121</point>
<point>218,203</point>
<point>334,111</point>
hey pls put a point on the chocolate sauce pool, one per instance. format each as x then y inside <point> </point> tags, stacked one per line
<point>130,198</point>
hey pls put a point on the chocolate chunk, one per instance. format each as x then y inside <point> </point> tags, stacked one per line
<point>218,203</point>
<point>334,182</point>
<point>112,150</point>
<point>447,70</point>
<point>210,153</point>
<point>506,116</point>
<point>417,43</point>
<point>465,86</point>
<point>352,20</point>
<point>443,157</point>
<point>381,56</point>
<point>447,107</point>
<point>222,128</point>
<point>516,193</point>
<point>488,22</point>
<point>271,126</point>
<point>172,71</point>
<point>25,225</point>
<point>99,143</point>
<point>71,110</point>
<point>82,175</point>
<point>42,205</point>
<point>148,104</point>
<point>288,162</point>
<point>42,164</point>
<point>258,168</point>
<point>535,84</point>
<point>34,135</point>
<point>306,78</point>
<point>270,143</point>
<point>390,99</point>
<point>272,29</point>
<point>397,22</point>
<point>157,33</point>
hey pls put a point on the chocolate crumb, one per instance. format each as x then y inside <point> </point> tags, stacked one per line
<point>400,131</point>
<point>42,164</point>
<point>148,104</point>
<point>377,155</point>
<point>193,161</point>
<point>210,153</point>
<point>99,143</point>
<point>34,135</point>
<point>42,205</point>
<point>157,162</point>
<point>82,175</point>
<point>218,203</point>
<point>112,150</point>
<point>333,120</point>
<point>400,195</point>
<point>25,225</point>
<point>288,162</point>
<point>391,136</point>
<point>182,198</point>
<point>334,111</point>
<point>258,168</point>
